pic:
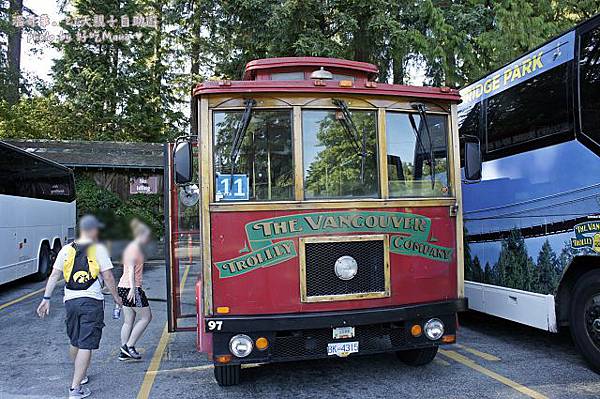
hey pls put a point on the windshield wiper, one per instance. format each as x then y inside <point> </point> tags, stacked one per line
<point>420,107</point>
<point>358,141</point>
<point>240,133</point>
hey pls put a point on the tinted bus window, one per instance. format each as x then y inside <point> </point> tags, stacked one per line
<point>25,175</point>
<point>532,110</point>
<point>589,74</point>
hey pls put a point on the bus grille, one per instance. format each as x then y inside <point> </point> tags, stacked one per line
<point>320,259</point>
<point>313,343</point>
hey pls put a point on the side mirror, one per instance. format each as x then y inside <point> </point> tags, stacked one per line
<point>472,159</point>
<point>183,162</point>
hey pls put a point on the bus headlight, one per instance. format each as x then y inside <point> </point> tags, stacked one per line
<point>240,345</point>
<point>434,329</point>
<point>346,268</point>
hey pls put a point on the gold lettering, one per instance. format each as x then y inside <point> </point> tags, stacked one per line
<point>266,228</point>
<point>287,246</point>
<point>537,61</point>
<point>357,221</point>
<point>330,222</point>
<point>516,74</point>
<point>507,75</point>
<point>527,66</point>
<point>345,221</point>
<point>280,227</point>
<point>294,226</point>
<point>314,225</point>
<point>496,82</point>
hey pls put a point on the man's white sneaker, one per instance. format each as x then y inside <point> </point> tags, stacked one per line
<point>79,393</point>
<point>85,380</point>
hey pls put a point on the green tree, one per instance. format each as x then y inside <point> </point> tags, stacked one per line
<point>547,270</point>
<point>488,274</point>
<point>514,268</point>
<point>121,88</point>
<point>477,271</point>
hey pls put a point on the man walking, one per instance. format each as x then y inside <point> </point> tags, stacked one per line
<point>82,263</point>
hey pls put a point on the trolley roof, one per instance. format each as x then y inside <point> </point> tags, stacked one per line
<point>259,78</point>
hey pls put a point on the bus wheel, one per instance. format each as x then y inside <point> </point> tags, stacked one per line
<point>584,317</point>
<point>44,264</point>
<point>417,357</point>
<point>227,375</point>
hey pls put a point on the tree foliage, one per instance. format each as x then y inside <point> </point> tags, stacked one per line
<point>139,90</point>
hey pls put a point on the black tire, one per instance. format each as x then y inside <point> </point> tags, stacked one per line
<point>583,311</point>
<point>44,263</point>
<point>417,357</point>
<point>227,376</point>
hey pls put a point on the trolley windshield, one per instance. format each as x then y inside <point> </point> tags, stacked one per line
<point>255,159</point>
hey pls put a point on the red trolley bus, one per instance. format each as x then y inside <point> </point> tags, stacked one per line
<point>322,216</point>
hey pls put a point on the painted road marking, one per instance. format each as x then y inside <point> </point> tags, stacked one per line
<point>150,375</point>
<point>506,381</point>
<point>483,355</point>
<point>441,362</point>
<point>22,298</point>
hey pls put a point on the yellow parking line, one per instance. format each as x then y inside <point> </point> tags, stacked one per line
<point>483,355</point>
<point>150,375</point>
<point>506,381</point>
<point>22,298</point>
<point>441,362</point>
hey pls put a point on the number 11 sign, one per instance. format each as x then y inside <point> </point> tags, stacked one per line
<point>232,189</point>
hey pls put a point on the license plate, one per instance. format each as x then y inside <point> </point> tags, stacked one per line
<point>343,332</point>
<point>342,349</point>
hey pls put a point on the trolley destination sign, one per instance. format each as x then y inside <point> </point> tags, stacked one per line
<point>409,236</point>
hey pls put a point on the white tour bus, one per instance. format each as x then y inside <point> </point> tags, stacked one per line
<point>37,213</point>
<point>532,223</point>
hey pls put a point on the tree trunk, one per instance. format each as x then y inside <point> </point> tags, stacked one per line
<point>195,63</point>
<point>14,54</point>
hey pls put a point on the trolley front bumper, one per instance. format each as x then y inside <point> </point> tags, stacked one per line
<point>308,335</point>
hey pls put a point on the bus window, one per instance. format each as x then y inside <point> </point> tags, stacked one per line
<point>589,69</point>
<point>25,175</point>
<point>469,120</point>
<point>264,163</point>
<point>535,109</point>
<point>333,163</point>
<point>409,153</point>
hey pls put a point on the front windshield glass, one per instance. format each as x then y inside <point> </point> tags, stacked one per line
<point>334,164</point>
<point>263,169</point>
<point>411,152</point>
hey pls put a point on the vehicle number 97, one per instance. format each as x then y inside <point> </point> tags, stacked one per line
<point>214,325</point>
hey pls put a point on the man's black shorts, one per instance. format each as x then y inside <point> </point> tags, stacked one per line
<point>85,320</point>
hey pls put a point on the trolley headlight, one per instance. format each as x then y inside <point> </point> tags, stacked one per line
<point>240,345</point>
<point>434,329</point>
<point>346,267</point>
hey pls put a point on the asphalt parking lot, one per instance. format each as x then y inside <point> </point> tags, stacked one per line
<point>494,359</point>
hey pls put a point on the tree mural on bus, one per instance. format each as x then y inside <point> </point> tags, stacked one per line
<point>515,268</point>
<point>336,168</point>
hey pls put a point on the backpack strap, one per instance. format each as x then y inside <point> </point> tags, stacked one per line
<point>69,262</point>
<point>93,264</point>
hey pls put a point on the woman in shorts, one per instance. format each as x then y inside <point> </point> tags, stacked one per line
<point>136,309</point>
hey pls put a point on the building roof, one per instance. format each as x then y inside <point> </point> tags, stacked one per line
<point>96,154</point>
